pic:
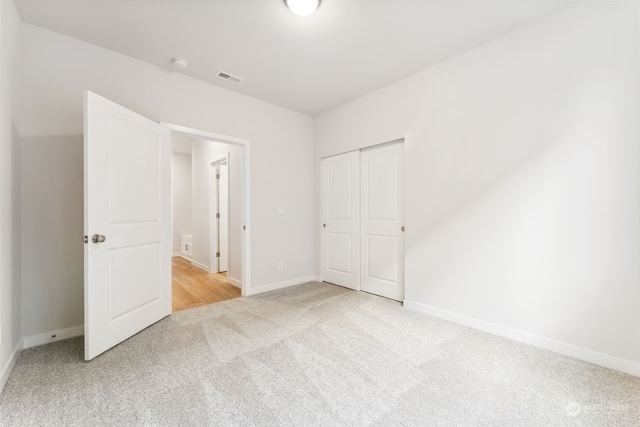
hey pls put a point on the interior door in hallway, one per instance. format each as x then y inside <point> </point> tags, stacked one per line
<point>340,235</point>
<point>382,228</point>
<point>127,220</point>
<point>223,218</point>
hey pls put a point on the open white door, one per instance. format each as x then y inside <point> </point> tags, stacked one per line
<point>127,208</point>
<point>382,221</point>
<point>340,236</point>
<point>223,220</point>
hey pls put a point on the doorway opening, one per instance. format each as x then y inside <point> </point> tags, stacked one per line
<point>127,213</point>
<point>209,196</point>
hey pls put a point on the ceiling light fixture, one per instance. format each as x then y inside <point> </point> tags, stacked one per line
<point>303,7</point>
<point>180,64</point>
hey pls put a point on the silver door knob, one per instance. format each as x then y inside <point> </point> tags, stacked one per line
<point>98,238</point>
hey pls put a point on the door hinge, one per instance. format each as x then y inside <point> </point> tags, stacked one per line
<point>217,254</point>
<point>218,215</point>
<point>217,176</point>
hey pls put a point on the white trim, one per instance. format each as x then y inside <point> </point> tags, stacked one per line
<point>280,285</point>
<point>11,363</point>
<point>180,254</point>
<point>47,337</point>
<point>587,355</point>
<point>246,209</point>
<point>184,130</point>
<point>200,266</point>
<point>235,282</point>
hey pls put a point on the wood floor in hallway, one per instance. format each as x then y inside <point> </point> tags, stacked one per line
<point>193,287</point>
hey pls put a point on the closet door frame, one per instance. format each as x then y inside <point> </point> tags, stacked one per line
<point>344,218</point>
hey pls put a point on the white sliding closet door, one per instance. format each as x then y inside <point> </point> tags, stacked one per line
<point>362,239</point>
<point>340,236</point>
<point>382,241</point>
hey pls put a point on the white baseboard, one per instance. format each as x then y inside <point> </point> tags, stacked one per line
<point>279,285</point>
<point>47,337</point>
<point>8,367</point>
<point>200,266</point>
<point>235,282</point>
<point>587,355</point>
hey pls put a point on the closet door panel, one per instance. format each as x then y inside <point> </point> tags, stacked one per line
<point>382,241</point>
<point>340,235</point>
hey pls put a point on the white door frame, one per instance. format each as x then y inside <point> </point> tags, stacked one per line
<point>214,206</point>
<point>245,216</point>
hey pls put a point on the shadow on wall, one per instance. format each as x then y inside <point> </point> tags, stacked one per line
<point>52,230</point>
<point>471,159</point>
<point>16,239</point>
<point>544,238</point>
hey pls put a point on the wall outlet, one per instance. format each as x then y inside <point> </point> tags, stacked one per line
<point>280,211</point>
<point>280,265</point>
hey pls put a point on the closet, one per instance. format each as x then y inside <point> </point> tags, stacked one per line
<point>362,238</point>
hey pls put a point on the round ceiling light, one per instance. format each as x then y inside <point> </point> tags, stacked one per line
<point>303,7</point>
<point>180,64</point>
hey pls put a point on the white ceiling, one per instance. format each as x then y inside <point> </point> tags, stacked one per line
<point>347,49</point>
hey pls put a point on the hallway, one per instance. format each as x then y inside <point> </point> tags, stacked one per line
<point>193,287</point>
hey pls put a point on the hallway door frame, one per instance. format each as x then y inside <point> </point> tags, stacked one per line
<point>245,284</point>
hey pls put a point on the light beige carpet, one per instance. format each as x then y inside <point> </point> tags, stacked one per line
<point>313,355</point>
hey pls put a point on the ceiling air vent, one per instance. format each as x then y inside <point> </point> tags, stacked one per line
<point>229,77</point>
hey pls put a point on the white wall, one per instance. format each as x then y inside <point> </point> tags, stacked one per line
<point>55,71</point>
<point>181,197</point>
<point>204,153</point>
<point>52,230</point>
<point>9,193</point>
<point>522,180</point>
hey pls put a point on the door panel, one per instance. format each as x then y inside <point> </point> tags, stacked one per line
<point>130,288</point>
<point>127,200</point>
<point>340,235</point>
<point>381,249</point>
<point>381,184</point>
<point>133,200</point>
<point>339,252</point>
<point>382,221</point>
